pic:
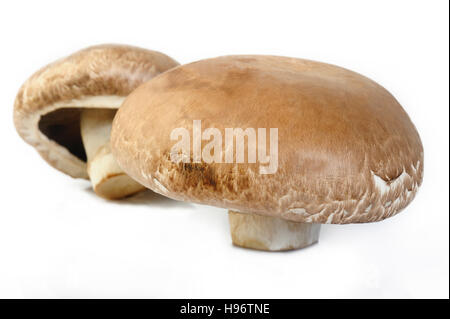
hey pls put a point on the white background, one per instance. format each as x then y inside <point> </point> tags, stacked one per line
<point>57,239</point>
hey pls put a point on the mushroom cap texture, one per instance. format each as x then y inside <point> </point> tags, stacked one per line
<point>109,71</point>
<point>347,151</point>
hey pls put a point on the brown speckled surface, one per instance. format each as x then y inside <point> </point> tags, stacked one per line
<point>348,152</point>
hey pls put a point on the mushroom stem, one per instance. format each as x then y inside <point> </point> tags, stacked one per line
<point>107,178</point>
<point>270,233</point>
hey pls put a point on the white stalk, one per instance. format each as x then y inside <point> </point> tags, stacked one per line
<point>270,233</point>
<point>107,178</point>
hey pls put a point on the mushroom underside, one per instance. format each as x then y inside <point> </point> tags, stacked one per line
<point>85,133</point>
<point>63,127</point>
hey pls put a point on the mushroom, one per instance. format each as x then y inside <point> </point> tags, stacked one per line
<point>345,150</point>
<point>65,111</point>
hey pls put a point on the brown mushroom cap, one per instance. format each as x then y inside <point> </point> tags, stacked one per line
<point>47,107</point>
<point>347,151</point>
